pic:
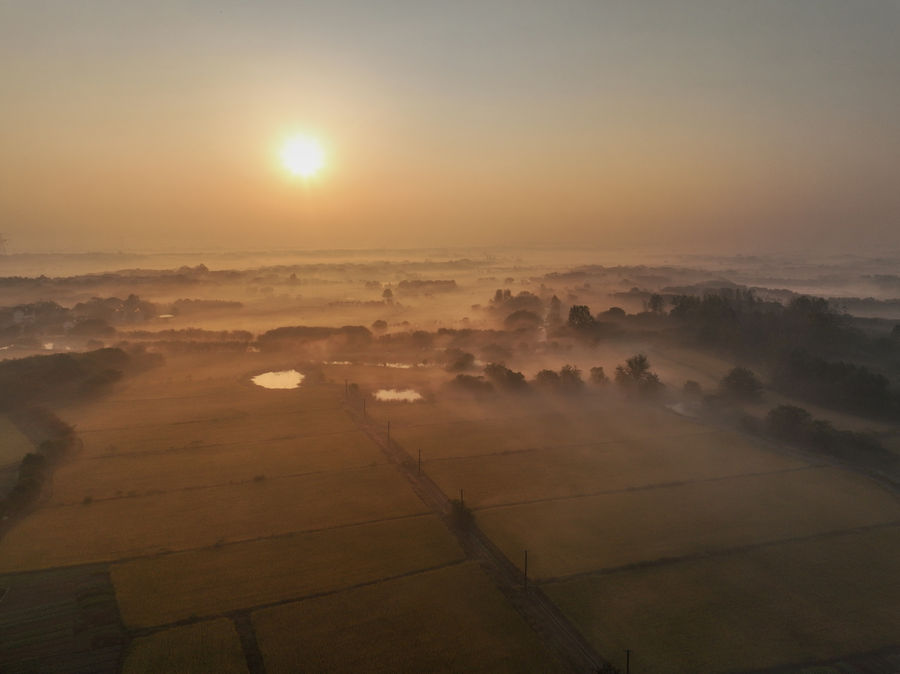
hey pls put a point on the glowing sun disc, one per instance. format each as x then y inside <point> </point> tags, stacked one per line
<point>303,156</point>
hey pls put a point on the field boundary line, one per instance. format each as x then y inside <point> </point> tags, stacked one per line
<point>201,487</point>
<point>217,545</point>
<point>247,610</point>
<point>555,632</point>
<point>882,660</point>
<point>712,554</point>
<point>649,487</point>
<point>186,422</point>
<point>190,447</point>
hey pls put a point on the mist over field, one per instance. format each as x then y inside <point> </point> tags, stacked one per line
<point>508,458</point>
<point>449,337</point>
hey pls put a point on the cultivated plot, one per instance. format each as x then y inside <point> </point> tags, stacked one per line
<point>577,535</point>
<point>142,473</point>
<point>447,620</point>
<point>212,646</point>
<point>786,603</point>
<point>195,518</point>
<point>520,476</point>
<point>168,588</point>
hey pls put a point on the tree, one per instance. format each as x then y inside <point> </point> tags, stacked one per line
<point>554,313</point>
<point>741,384</point>
<point>580,317</point>
<point>656,303</point>
<point>692,389</point>
<point>788,422</point>
<point>458,360</point>
<point>505,378</point>
<point>570,379</point>
<point>635,369</point>
<point>636,375</point>
<point>598,376</point>
<point>472,384</point>
<point>522,319</point>
<point>388,295</point>
<point>547,379</point>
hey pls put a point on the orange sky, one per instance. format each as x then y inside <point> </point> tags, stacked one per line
<point>702,126</point>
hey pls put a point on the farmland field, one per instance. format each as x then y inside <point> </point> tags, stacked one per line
<point>191,518</point>
<point>204,465</point>
<point>165,589</point>
<point>609,530</point>
<point>63,620</point>
<point>791,602</point>
<point>517,476</point>
<point>447,620</point>
<point>211,646</point>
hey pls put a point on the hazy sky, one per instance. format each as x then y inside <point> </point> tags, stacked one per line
<point>735,125</point>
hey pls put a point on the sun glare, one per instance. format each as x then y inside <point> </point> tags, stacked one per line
<point>303,156</point>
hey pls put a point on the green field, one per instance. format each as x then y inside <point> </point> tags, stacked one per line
<point>447,620</point>
<point>786,603</point>
<point>211,646</point>
<point>205,582</point>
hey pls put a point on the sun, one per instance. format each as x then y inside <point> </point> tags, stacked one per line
<point>303,156</point>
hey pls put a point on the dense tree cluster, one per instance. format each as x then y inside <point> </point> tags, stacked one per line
<point>504,378</point>
<point>741,384</point>
<point>34,379</point>
<point>836,384</point>
<point>35,467</point>
<point>794,424</point>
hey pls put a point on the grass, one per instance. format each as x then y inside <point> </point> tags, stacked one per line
<point>207,582</point>
<point>211,646</point>
<point>447,620</point>
<point>13,443</point>
<point>110,530</point>
<point>571,536</point>
<point>794,602</point>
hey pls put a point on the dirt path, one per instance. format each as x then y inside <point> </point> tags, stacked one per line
<point>554,629</point>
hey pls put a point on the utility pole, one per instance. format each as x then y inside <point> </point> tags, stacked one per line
<point>461,501</point>
<point>526,570</point>
<point>627,661</point>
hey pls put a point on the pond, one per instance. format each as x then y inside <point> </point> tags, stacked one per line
<point>283,379</point>
<point>391,395</point>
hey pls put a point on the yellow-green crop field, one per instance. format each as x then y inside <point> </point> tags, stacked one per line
<point>164,589</point>
<point>192,518</point>
<point>211,646</point>
<point>786,603</point>
<point>447,620</point>
<point>576,535</point>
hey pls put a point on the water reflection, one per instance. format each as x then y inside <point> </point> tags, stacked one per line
<point>283,379</point>
<point>392,394</point>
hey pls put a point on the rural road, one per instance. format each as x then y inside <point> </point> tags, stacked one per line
<point>554,629</point>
